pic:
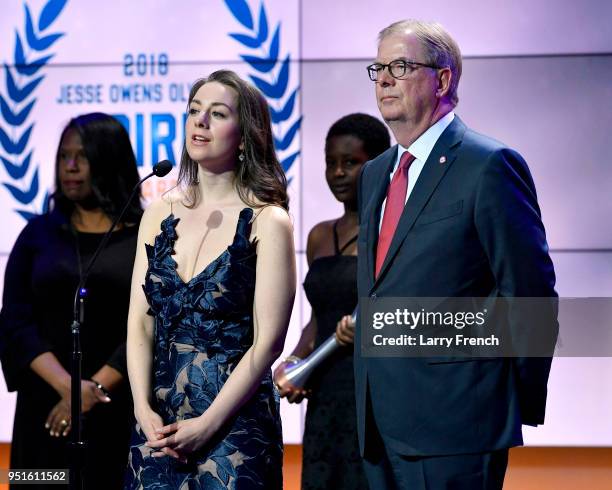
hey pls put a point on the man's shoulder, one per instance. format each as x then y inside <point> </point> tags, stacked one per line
<point>380,162</point>
<point>482,146</point>
<point>480,154</point>
<point>481,142</point>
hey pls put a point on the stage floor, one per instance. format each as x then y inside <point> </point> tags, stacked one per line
<point>530,468</point>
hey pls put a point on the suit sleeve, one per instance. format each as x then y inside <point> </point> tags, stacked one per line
<point>509,225</point>
<point>20,342</point>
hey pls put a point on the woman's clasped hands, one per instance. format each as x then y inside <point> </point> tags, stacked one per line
<point>177,440</point>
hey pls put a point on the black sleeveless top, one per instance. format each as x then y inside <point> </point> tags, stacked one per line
<point>331,289</point>
<point>330,449</point>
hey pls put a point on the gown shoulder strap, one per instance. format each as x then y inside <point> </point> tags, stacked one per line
<point>340,250</point>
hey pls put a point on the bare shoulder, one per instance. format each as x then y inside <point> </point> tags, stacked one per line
<point>273,217</point>
<point>321,230</point>
<point>319,238</point>
<point>272,222</point>
<point>153,215</point>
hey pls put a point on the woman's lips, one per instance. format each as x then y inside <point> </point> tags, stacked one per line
<point>72,183</point>
<point>340,189</point>
<point>199,140</point>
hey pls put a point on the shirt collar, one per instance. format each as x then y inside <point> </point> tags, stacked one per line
<point>424,144</point>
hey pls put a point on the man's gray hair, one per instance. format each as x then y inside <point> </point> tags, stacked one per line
<point>440,48</point>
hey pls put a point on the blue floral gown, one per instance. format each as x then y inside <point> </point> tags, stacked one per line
<point>202,330</point>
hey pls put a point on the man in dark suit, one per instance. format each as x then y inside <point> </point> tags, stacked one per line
<point>445,213</point>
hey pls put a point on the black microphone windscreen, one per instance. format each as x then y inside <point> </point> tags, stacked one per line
<point>160,169</point>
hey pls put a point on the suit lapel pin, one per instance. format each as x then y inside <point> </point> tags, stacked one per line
<point>442,159</point>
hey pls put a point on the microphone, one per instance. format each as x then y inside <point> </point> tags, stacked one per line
<point>160,169</point>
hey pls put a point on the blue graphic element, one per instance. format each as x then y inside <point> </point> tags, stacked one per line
<point>17,171</point>
<point>15,148</point>
<point>49,13</point>
<point>23,67</point>
<point>288,161</point>
<point>273,87</point>
<point>39,44</point>
<point>24,196</point>
<point>285,141</point>
<point>286,112</point>
<point>15,108</point>
<point>10,117</point>
<point>264,65</point>
<point>242,12</point>
<point>19,94</point>
<point>159,139</point>
<point>276,89</point>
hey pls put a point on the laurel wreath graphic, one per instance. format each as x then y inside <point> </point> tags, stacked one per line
<point>276,86</point>
<point>17,101</point>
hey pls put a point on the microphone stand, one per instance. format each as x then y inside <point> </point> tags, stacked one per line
<point>77,445</point>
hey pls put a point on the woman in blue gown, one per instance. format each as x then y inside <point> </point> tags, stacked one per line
<point>217,260</point>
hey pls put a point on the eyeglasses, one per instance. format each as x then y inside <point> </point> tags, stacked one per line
<point>397,68</point>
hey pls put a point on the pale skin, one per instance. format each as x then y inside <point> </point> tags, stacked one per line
<point>205,231</point>
<point>74,174</point>
<point>410,105</point>
<point>416,102</point>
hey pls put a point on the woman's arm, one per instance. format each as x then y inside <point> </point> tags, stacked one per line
<point>109,377</point>
<point>306,343</point>
<point>316,241</point>
<point>21,346</point>
<point>49,368</point>
<point>274,295</point>
<point>140,327</point>
<point>114,371</point>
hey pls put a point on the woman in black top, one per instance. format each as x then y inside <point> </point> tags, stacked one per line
<point>95,172</point>
<point>330,450</point>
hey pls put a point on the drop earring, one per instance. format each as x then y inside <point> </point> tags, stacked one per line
<point>241,157</point>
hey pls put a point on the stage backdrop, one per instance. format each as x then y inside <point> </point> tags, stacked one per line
<point>536,75</point>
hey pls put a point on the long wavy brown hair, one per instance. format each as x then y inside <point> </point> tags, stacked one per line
<point>259,174</point>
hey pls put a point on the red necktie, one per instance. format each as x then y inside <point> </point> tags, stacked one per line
<point>396,199</point>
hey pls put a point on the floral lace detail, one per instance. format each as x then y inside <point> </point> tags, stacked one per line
<point>203,327</point>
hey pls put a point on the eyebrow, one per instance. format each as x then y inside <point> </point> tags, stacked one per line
<point>196,101</point>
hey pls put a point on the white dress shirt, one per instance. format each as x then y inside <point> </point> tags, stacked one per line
<point>420,149</point>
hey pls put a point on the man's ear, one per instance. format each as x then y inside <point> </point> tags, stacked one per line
<point>444,82</point>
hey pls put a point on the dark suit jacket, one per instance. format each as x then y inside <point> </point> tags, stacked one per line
<point>471,227</point>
